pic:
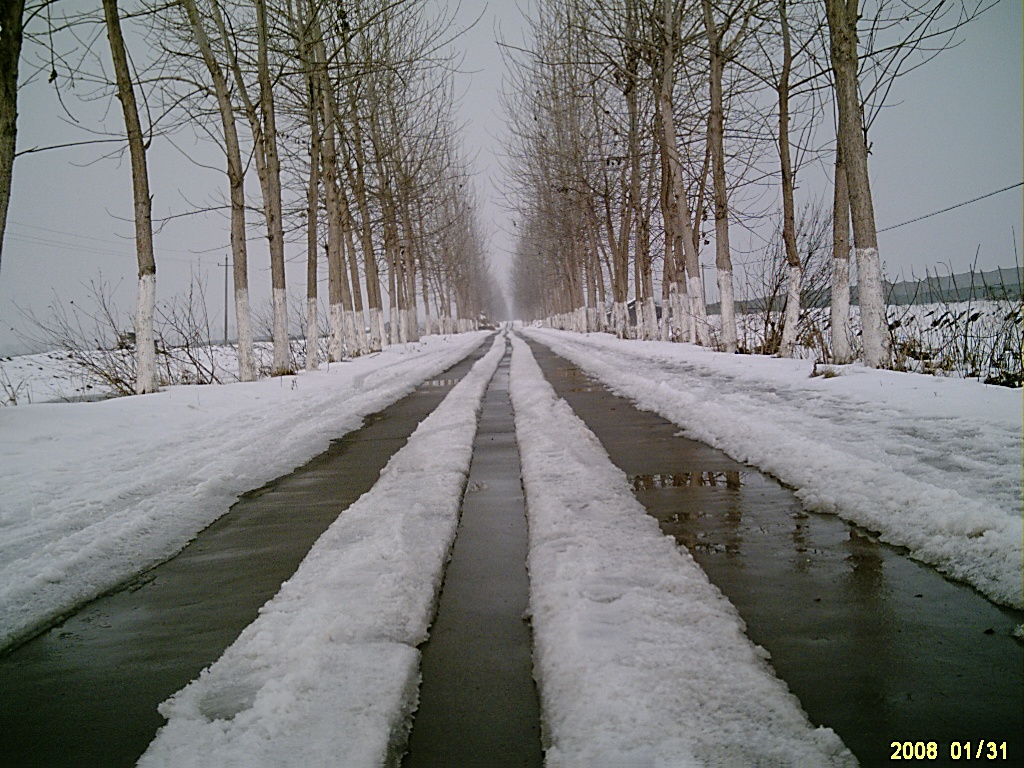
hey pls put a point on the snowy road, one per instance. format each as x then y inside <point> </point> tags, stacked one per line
<point>933,464</point>
<point>662,676</point>
<point>639,659</point>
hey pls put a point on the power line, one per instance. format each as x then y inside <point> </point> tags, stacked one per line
<point>80,248</point>
<point>954,207</point>
<point>124,242</point>
<point>123,248</point>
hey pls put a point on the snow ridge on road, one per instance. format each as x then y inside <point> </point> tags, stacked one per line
<point>328,674</point>
<point>640,660</point>
<point>932,464</point>
<point>94,493</point>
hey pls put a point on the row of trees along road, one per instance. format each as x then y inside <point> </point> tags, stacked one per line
<point>634,122</point>
<point>345,111</point>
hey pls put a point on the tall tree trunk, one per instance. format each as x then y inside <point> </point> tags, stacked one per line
<point>409,260</point>
<point>716,136</point>
<point>428,323</point>
<point>792,320</point>
<point>337,277</point>
<point>272,203</point>
<point>842,24</point>
<point>270,182</point>
<point>842,344</point>
<point>688,309</point>
<point>303,31</point>
<point>684,232</point>
<point>145,345</point>
<point>312,244</point>
<point>374,297</point>
<point>11,20</point>
<point>236,186</point>
<point>359,318</point>
<point>341,336</point>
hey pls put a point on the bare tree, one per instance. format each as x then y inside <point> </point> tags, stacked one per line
<point>236,185</point>
<point>146,300</point>
<point>686,301</point>
<point>11,34</point>
<point>262,122</point>
<point>721,51</point>
<point>842,21</point>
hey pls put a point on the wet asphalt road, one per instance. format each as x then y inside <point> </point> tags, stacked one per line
<point>478,702</point>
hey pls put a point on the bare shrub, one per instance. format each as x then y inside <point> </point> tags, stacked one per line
<point>99,339</point>
<point>185,353</point>
<point>764,315</point>
<point>11,391</point>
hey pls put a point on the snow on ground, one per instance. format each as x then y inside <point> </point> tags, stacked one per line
<point>329,671</point>
<point>640,660</point>
<point>933,464</point>
<point>94,493</point>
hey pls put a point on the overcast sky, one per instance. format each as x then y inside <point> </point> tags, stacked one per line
<point>954,133</point>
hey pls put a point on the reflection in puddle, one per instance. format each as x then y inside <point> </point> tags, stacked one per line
<point>581,382</point>
<point>439,383</point>
<point>732,481</point>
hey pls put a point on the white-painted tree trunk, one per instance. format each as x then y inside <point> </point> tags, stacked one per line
<point>351,333</point>
<point>681,325</point>
<point>312,341</point>
<point>667,312</point>
<point>727,298</point>
<point>871,297</point>
<point>336,343</point>
<point>145,342</point>
<point>395,323</point>
<point>620,319</point>
<point>842,344</point>
<point>792,320</point>
<point>412,324</point>
<point>243,318</point>
<point>361,326</point>
<point>282,352</point>
<point>376,330</point>
<point>698,312</point>
<point>403,325</point>
<point>650,319</point>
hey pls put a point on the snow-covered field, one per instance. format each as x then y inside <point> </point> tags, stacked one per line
<point>94,493</point>
<point>933,464</point>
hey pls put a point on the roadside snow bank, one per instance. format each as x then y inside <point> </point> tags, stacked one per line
<point>328,673</point>
<point>94,493</point>
<point>932,464</point>
<point>640,660</point>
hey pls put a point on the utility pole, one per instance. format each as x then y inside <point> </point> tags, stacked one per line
<point>225,301</point>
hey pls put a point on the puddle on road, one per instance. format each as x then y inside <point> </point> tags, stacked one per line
<point>443,383</point>
<point>875,645</point>
<point>728,480</point>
